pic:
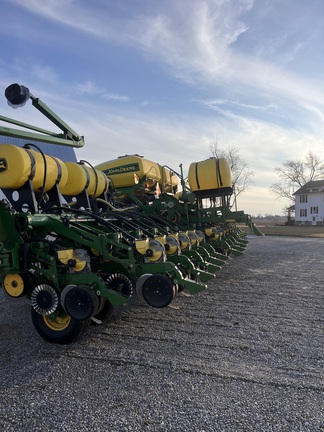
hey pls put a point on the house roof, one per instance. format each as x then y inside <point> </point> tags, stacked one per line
<point>314,186</point>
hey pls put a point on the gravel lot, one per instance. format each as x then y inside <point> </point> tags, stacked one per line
<point>245,355</point>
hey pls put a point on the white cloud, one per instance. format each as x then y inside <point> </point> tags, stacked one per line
<point>195,40</point>
<point>253,100</point>
<point>92,89</point>
<point>115,97</point>
<point>45,73</point>
<point>216,104</point>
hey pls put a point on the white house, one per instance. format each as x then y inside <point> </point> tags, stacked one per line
<point>309,203</point>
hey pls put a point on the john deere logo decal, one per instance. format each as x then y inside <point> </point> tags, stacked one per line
<point>3,165</point>
<point>122,169</point>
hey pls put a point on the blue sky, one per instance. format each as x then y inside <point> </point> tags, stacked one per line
<point>165,78</point>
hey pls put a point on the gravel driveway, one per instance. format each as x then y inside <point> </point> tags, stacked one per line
<point>245,355</point>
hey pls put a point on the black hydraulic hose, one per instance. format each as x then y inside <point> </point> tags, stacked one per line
<point>164,221</point>
<point>95,173</point>
<point>99,219</point>
<point>132,224</point>
<point>27,146</point>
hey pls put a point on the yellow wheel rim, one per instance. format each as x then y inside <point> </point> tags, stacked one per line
<point>13,285</point>
<point>60,323</point>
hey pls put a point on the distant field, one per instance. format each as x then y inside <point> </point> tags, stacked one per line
<point>283,230</point>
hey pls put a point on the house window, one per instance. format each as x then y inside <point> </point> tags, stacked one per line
<point>303,213</point>
<point>303,198</point>
<point>314,210</point>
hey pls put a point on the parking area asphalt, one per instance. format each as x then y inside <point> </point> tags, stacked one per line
<point>247,354</point>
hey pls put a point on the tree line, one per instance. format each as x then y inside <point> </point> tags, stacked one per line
<point>293,173</point>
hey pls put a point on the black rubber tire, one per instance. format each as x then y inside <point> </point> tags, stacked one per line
<point>63,330</point>
<point>159,291</point>
<point>105,313</point>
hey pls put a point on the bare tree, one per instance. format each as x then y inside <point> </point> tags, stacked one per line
<point>294,174</point>
<point>241,174</point>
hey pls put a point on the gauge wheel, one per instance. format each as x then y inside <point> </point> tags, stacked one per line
<point>106,311</point>
<point>63,330</point>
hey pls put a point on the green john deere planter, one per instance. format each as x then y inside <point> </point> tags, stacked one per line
<point>78,240</point>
